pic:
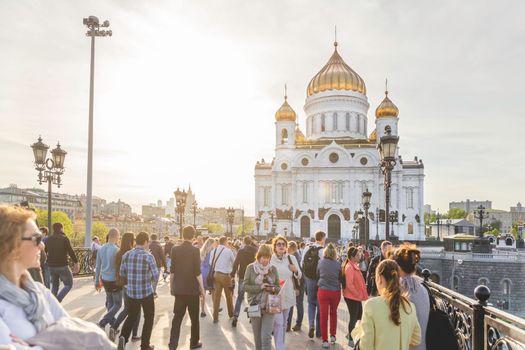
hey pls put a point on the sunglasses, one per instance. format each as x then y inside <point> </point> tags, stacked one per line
<point>280,244</point>
<point>36,237</point>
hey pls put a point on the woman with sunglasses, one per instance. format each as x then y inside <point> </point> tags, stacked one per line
<point>26,307</point>
<point>287,268</point>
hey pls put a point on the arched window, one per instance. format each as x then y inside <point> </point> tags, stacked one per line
<point>284,136</point>
<point>410,228</point>
<point>323,123</point>
<point>334,123</point>
<point>347,121</point>
<point>455,283</point>
<point>358,123</point>
<point>506,288</point>
<point>483,281</point>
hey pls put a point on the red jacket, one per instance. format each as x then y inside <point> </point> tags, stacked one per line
<point>355,283</point>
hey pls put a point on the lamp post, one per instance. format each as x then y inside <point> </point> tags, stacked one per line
<point>94,30</point>
<point>377,225</point>
<point>194,211</point>
<point>257,225</point>
<point>392,218</point>
<point>291,219</point>
<point>272,215</point>
<point>366,204</point>
<point>480,213</point>
<point>387,149</point>
<point>358,223</point>
<point>230,215</point>
<point>50,170</point>
<point>180,202</point>
<point>448,226</point>
<point>438,218</point>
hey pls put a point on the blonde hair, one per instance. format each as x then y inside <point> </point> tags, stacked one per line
<point>207,247</point>
<point>329,252</point>
<point>12,225</point>
<point>264,252</point>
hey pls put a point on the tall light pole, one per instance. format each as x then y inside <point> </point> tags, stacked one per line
<point>438,217</point>
<point>387,149</point>
<point>377,225</point>
<point>194,211</point>
<point>180,202</point>
<point>230,216</point>
<point>93,31</point>
<point>366,204</point>
<point>50,170</point>
<point>480,213</point>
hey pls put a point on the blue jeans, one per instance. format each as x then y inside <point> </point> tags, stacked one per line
<point>240,298</point>
<point>124,313</point>
<point>62,273</point>
<point>113,304</point>
<point>313,305</point>
<point>47,276</point>
<point>299,302</point>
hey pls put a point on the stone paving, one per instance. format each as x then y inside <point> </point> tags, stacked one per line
<point>85,302</point>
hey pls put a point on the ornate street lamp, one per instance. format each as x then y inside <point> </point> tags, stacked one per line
<point>481,214</point>
<point>194,211</point>
<point>50,170</point>
<point>180,202</point>
<point>230,216</point>
<point>272,215</point>
<point>257,224</point>
<point>377,225</point>
<point>387,149</point>
<point>94,30</point>
<point>366,204</point>
<point>438,218</point>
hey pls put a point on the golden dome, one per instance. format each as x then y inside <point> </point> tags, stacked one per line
<point>387,108</point>
<point>336,75</point>
<point>285,113</point>
<point>373,136</point>
<point>299,136</point>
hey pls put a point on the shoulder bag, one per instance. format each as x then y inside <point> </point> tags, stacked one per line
<point>209,278</point>
<point>296,281</point>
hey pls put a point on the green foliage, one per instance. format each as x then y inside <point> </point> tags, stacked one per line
<point>56,216</point>
<point>494,232</point>
<point>429,218</point>
<point>456,213</point>
<point>249,226</point>
<point>213,227</point>
<point>100,230</point>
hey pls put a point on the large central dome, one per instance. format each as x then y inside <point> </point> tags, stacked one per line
<point>336,75</point>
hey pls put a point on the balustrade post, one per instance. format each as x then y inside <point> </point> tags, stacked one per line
<point>482,294</point>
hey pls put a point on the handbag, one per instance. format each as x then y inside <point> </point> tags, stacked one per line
<point>209,278</point>
<point>440,331</point>
<point>274,305</point>
<point>254,309</point>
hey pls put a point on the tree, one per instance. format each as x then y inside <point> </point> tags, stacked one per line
<point>429,218</point>
<point>456,213</point>
<point>248,229</point>
<point>56,216</point>
<point>213,227</point>
<point>100,230</point>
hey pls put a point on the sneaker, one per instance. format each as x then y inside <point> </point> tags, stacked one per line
<point>311,333</point>
<point>234,322</point>
<point>326,345</point>
<point>332,339</point>
<point>149,347</point>
<point>203,314</point>
<point>296,328</point>
<point>136,338</point>
<point>216,321</point>
<point>351,343</point>
<point>121,343</point>
<point>196,346</point>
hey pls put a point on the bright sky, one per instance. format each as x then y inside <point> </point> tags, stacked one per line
<point>186,91</point>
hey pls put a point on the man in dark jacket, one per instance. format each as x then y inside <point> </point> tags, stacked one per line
<point>245,257</point>
<point>158,253</point>
<point>58,247</point>
<point>371,287</point>
<point>168,245</point>
<point>187,287</point>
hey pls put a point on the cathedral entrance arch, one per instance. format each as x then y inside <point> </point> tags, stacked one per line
<point>305,226</point>
<point>334,227</point>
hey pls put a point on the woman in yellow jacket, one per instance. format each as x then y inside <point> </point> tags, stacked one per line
<point>389,321</point>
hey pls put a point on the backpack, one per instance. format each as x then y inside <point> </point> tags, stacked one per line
<point>310,261</point>
<point>440,331</point>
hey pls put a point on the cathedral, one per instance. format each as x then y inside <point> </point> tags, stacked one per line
<point>317,177</point>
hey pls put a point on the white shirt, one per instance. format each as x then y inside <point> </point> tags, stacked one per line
<point>13,319</point>
<point>286,274</point>
<point>224,261</point>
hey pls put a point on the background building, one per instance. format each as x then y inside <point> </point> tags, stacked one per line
<point>153,211</point>
<point>118,208</point>
<point>316,179</point>
<point>468,205</point>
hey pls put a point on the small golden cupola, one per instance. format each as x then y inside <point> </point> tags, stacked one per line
<point>386,108</point>
<point>373,136</point>
<point>299,136</point>
<point>285,113</point>
<point>336,75</point>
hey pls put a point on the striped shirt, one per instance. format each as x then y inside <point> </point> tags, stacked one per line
<point>140,269</point>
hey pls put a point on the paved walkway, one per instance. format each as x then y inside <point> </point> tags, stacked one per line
<point>85,302</point>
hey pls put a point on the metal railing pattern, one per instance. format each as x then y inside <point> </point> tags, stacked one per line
<point>85,259</point>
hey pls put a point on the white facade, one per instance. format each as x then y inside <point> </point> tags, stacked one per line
<point>315,182</point>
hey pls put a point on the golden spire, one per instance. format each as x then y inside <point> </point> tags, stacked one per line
<point>285,112</point>
<point>336,75</point>
<point>373,136</point>
<point>299,136</point>
<point>386,108</point>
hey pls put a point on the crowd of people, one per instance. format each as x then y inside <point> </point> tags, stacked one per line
<point>388,306</point>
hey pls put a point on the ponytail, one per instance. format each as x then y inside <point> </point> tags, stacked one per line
<point>392,293</point>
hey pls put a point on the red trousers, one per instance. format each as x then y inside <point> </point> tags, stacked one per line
<point>328,302</point>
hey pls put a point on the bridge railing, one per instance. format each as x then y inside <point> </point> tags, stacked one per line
<point>478,325</point>
<point>86,261</point>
